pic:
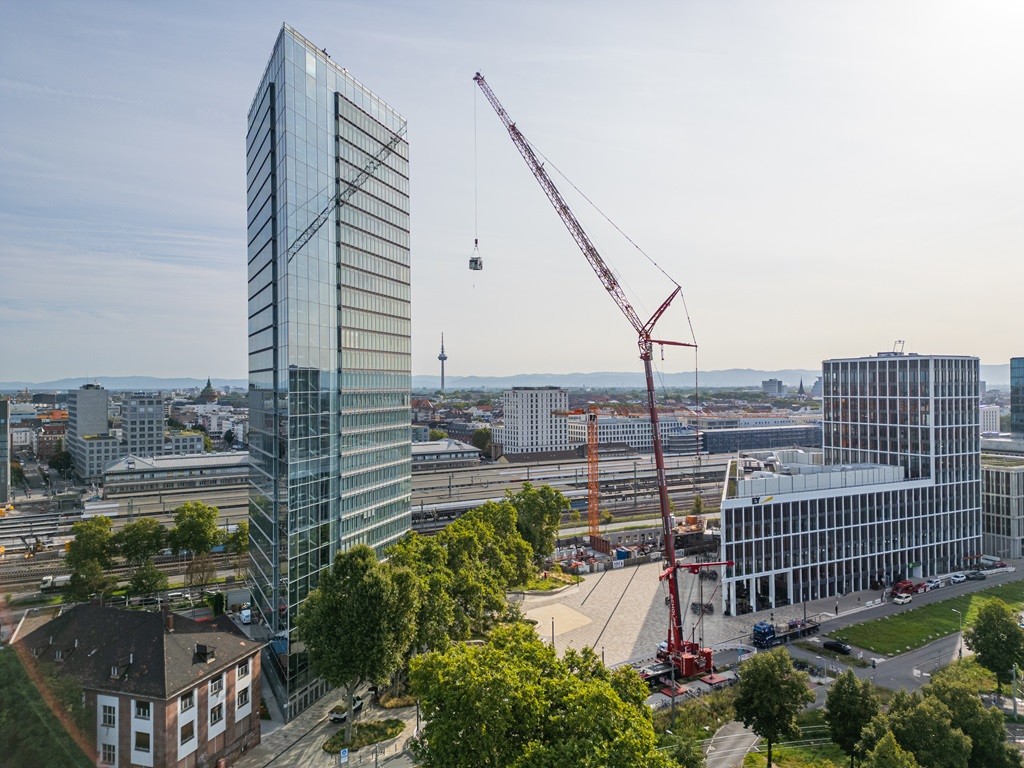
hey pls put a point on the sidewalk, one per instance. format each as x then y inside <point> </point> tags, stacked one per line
<point>300,742</point>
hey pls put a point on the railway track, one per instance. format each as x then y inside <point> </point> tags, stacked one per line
<point>28,575</point>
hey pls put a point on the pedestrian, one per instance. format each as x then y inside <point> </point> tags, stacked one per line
<point>837,607</point>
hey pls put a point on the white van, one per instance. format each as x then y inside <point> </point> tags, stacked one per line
<point>245,614</point>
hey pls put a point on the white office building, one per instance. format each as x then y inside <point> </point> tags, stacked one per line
<point>1002,505</point>
<point>634,431</point>
<point>895,493</point>
<point>989,419</point>
<point>535,420</point>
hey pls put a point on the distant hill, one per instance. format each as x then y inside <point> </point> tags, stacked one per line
<point>995,377</point>
<point>122,383</point>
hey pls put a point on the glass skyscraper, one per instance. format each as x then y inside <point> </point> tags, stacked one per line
<point>1017,395</point>
<point>329,336</point>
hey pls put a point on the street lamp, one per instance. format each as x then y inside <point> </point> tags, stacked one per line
<point>960,652</point>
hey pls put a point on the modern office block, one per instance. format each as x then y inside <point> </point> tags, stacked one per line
<point>1002,505</point>
<point>329,336</point>
<point>895,493</point>
<point>89,441</point>
<point>1017,395</point>
<point>142,423</point>
<point>535,420</point>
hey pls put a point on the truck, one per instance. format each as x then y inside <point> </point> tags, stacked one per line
<point>768,635</point>
<point>54,583</point>
<point>905,587</point>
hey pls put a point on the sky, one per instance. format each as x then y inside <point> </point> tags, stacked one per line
<point>820,178</point>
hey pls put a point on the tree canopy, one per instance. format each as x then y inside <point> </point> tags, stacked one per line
<point>849,706</point>
<point>195,528</point>
<point>888,754</point>
<point>481,439</point>
<point>358,623</point>
<point>922,725</point>
<point>140,540</point>
<point>437,434</point>
<point>62,461</point>
<point>512,703</point>
<point>93,541</point>
<point>984,726</point>
<point>147,580</point>
<point>997,641</point>
<point>538,514</point>
<point>771,693</point>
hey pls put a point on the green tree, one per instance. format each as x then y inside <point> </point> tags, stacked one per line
<point>924,726</point>
<point>87,580</point>
<point>92,542</point>
<point>147,580</point>
<point>201,570</point>
<point>427,560</point>
<point>195,528</point>
<point>62,461</point>
<point>141,540</point>
<point>771,693</point>
<point>238,546</point>
<point>997,641</point>
<point>17,473</point>
<point>529,709</point>
<point>538,514</point>
<point>437,434</point>
<point>849,706</point>
<point>358,623</point>
<point>229,437</point>
<point>481,439</point>
<point>207,444</point>
<point>983,725</point>
<point>888,754</point>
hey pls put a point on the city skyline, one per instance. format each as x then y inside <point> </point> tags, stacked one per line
<point>836,157</point>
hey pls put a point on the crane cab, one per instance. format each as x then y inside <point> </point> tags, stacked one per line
<point>476,263</point>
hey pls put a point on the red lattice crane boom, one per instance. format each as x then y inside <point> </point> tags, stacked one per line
<point>644,341</point>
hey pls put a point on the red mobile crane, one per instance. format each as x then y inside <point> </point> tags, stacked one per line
<point>686,656</point>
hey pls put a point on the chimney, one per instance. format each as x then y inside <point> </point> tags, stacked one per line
<point>169,621</point>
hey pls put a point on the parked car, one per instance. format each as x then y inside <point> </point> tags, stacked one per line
<point>838,646</point>
<point>902,599</point>
<point>957,578</point>
<point>341,717</point>
<point>976,576</point>
<point>933,583</point>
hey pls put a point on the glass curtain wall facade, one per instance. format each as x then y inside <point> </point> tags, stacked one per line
<point>5,446</point>
<point>329,336</point>
<point>1017,395</point>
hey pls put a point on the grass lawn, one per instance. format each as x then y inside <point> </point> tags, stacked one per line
<point>364,734</point>
<point>541,583</point>
<point>813,728</point>
<point>913,628</point>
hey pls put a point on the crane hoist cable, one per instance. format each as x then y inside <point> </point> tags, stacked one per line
<point>342,197</point>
